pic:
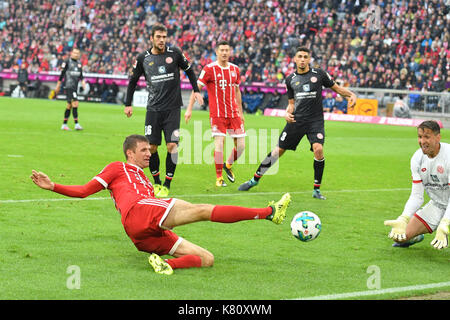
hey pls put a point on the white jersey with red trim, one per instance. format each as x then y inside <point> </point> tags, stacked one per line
<point>221,84</point>
<point>434,174</point>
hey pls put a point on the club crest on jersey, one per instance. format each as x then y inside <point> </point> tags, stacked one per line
<point>440,169</point>
<point>169,60</point>
<point>313,79</point>
<point>233,74</point>
<point>424,169</point>
<point>306,87</point>
<point>162,69</point>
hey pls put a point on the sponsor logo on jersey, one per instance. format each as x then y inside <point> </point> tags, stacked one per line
<point>319,136</point>
<point>306,87</point>
<point>162,69</point>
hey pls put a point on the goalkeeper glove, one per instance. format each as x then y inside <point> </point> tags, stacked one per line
<point>398,232</point>
<point>441,239</point>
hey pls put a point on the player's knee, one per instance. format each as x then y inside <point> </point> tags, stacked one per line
<point>172,147</point>
<point>318,151</point>
<point>153,148</point>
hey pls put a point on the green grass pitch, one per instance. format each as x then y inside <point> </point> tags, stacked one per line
<point>366,180</point>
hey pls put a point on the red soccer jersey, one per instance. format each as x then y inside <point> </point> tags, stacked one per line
<point>127,183</point>
<point>221,84</point>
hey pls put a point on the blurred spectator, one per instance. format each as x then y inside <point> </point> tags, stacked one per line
<point>274,100</point>
<point>444,102</point>
<point>251,100</point>
<point>22,78</point>
<point>410,42</point>
<point>328,102</point>
<point>401,109</point>
<point>340,106</point>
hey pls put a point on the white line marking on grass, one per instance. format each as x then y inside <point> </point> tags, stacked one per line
<point>15,156</point>
<point>207,195</point>
<point>377,292</point>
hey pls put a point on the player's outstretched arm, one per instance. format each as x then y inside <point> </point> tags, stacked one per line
<point>44,182</point>
<point>347,94</point>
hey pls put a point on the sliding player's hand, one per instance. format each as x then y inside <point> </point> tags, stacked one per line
<point>42,180</point>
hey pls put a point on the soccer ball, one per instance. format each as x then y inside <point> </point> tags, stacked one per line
<point>306,226</point>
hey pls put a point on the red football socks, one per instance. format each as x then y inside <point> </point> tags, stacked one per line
<point>230,214</point>
<point>187,261</point>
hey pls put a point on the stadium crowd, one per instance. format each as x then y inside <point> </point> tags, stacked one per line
<point>405,47</point>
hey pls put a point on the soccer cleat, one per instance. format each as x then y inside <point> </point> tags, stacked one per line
<point>279,209</point>
<point>78,127</point>
<point>220,182</point>
<point>316,194</point>
<point>163,192</point>
<point>159,265</point>
<point>409,243</point>
<point>229,172</point>
<point>65,127</point>
<point>248,185</point>
<point>156,189</point>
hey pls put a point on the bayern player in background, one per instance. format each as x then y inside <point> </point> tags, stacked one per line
<point>222,80</point>
<point>149,221</point>
<point>430,169</point>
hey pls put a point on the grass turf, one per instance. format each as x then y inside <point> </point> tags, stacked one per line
<point>366,181</point>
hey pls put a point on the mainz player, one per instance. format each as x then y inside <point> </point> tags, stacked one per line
<point>430,170</point>
<point>222,80</point>
<point>149,221</point>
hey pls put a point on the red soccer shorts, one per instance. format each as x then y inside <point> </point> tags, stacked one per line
<point>233,126</point>
<point>143,225</point>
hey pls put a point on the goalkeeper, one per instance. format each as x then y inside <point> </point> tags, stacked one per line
<point>430,168</point>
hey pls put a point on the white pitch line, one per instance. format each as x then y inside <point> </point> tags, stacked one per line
<point>377,292</point>
<point>206,195</point>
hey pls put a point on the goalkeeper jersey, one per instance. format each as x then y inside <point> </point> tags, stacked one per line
<point>434,174</point>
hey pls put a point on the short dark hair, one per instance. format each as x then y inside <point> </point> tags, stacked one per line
<point>222,43</point>
<point>130,143</point>
<point>304,49</point>
<point>158,27</point>
<point>430,124</point>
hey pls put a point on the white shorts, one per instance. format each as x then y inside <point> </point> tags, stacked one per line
<point>430,215</point>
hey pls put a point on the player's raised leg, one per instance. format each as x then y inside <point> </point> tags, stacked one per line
<point>184,212</point>
<point>265,165</point>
